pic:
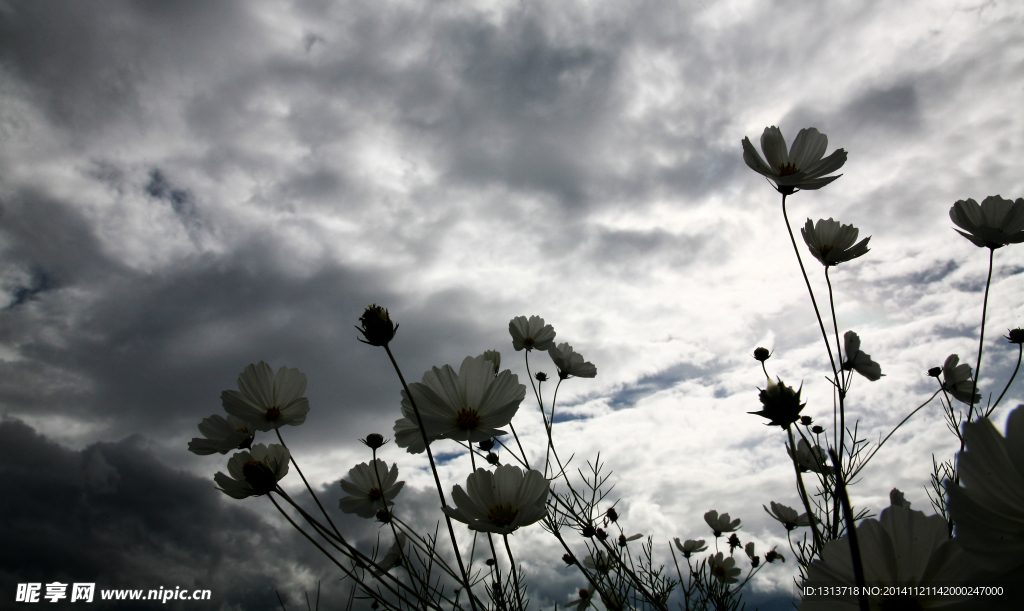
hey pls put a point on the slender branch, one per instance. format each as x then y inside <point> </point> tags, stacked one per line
<point>308,487</point>
<point>1020,352</point>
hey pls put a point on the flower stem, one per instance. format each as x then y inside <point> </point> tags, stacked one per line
<point>1020,352</point>
<point>811,517</point>
<point>308,487</point>
<point>515,574</point>
<point>981,340</point>
<point>851,532</point>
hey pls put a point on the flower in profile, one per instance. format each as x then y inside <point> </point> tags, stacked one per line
<point>857,360</point>
<point>993,224</point>
<point>222,435</point>
<point>374,441</point>
<point>749,549</point>
<point>254,472</point>
<point>468,406</point>
<point>690,547</point>
<point>377,327</point>
<point>392,558</point>
<point>902,548</point>
<point>896,499</point>
<point>494,357</point>
<point>832,243</point>
<point>988,506</point>
<point>268,400</point>
<point>723,568</point>
<point>762,354</point>
<point>584,600</point>
<point>780,404</point>
<point>570,363</point>
<point>370,488</point>
<point>530,334</point>
<point>500,502</point>
<point>721,524</point>
<point>787,515</point>
<point>801,167</point>
<point>956,380</point>
<point>808,458</point>
<point>600,563</point>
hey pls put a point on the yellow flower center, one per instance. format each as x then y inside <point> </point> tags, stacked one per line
<point>467,419</point>
<point>502,515</point>
<point>375,494</point>
<point>273,414</point>
<point>788,169</point>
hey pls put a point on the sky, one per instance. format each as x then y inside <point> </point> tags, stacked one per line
<point>190,187</point>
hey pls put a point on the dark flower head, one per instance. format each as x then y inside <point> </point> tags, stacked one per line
<point>935,372</point>
<point>762,354</point>
<point>374,441</point>
<point>601,535</point>
<point>377,326</point>
<point>492,458</point>
<point>489,562</point>
<point>780,404</point>
<point>805,420</point>
<point>569,559</point>
<point>588,531</point>
<point>734,542</point>
<point>1016,336</point>
<point>773,555</point>
<point>612,514</point>
<point>487,445</point>
<point>383,515</point>
<point>541,376</point>
<point>817,430</point>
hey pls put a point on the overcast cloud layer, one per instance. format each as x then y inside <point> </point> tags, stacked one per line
<point>190,187</point>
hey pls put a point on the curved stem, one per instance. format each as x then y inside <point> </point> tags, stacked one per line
<point>1020,352</point>
<point>981,340</point>
<point>879,446</point>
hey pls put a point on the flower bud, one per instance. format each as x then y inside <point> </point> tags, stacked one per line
<point>373,441</point>
<point>486,445</point>
<point>588,531</point>
<point>568,559</point>
<point>383,515</point>
<point>762,354</point>
<point>489,562</point>
<point>817,430</point>
<point>601,535</point>
<point>541,376</point>
<point>1016,336</point>
<point>935,372</point>
<point>805,420</point>
<point>492,458</point>
<point>377,326</point>
<point>612,514</point>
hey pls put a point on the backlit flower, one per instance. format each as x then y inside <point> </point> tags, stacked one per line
<point>494,357</point>
<point>902,548</point>
<point>500,502</point>
<point>254,472</point>
<point>370,487</point>
<point>268,400</point>
<point>377,326</point>
<point>690,546</point>
<point>780,404</point>
<point>721,524</point>
<point>584,600</point>
<point>832,243</point>
<point>995,223</point>
<point>787,515</point>
<point>468,406</point>
<point>801,167</point>
<point>723,568</point>
<point>857,360</point>
<point>956,380</point>
<point>530,334</point>
<point>570,363</point>
<point>222,435</point>
<point>809,459</point>
<point>988,507</point>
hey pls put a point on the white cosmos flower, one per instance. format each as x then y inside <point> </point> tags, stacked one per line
<point>721,524</point>
<point>530,334</point>
<point>901,548</point>
<point>254,472</point>
<point>500,502</point>
<point>857,360</point>
<point>468,406</point>
<point>222,435</point>
<point>956,380</point>
<point>370,487</point>
<point>723,568</point>
<point>268,400</point>
<point>801,167</point>
<point>600,563</point>
<point>832,243</point>
<point>690,546</point>
<point>787,515</point>
<point>995,223</point>
<point>571,363</point>
<point>584,600</point>
<point>810,459</point>
<point>988,507</point>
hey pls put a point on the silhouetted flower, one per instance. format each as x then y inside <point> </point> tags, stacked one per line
<point>500,502</point>
<point>721,524</point>
<point>222,435</point>
<point>570,363</point>
<point>857,360</point>
<point>781,404</point>
<point>787,515</point>
<point>832,243</point>
<point>801,167</point>
<point>956,380</point>
<point>371,486</point>
<point>268,400</point>
<point>530,334</point>
<point>724,568</point>
<point>377,327</point>
<point>254,472</point>
<point>691,547</point>
<point>993,224</point>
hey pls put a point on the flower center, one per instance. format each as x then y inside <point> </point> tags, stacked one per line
<point>259,476</point>
<point>502,515</point>
<point>375,494</point>
<point>788,169</point>
<point>467,419</point>
<point>529,342</point>
<point>718,570</point>
<point>900,602</point>
<point>273,414</point>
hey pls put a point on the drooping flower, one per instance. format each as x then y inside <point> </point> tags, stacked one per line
<point>988,507</point>
<point>571,363</point>
<point>808,458</point>
<point>902,548</point>
<point>780,404</point>
<point>801,167</point>
<point>254,472</point>
<point>371,486</point>
<point>993,224</point>
<point>723,568</point>
<point>222,435</point>
<point>749,549</point>
<point>721,524</point>
<point>857,360</point>
<point>468,406</point>
<point>787,515</point>
<point>956,380</point>
<point>531,334</point>
<point>690,547</point>
<point>502,501</point>
<point>268,400</point>
<point>600,563</point>
<point>832,243</point>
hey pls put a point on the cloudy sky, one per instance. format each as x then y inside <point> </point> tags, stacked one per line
<point>191,187</point>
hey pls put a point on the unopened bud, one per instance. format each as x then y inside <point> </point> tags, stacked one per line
<point>762,354</point>
<point>373,441</point>
<point>377,326</point>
